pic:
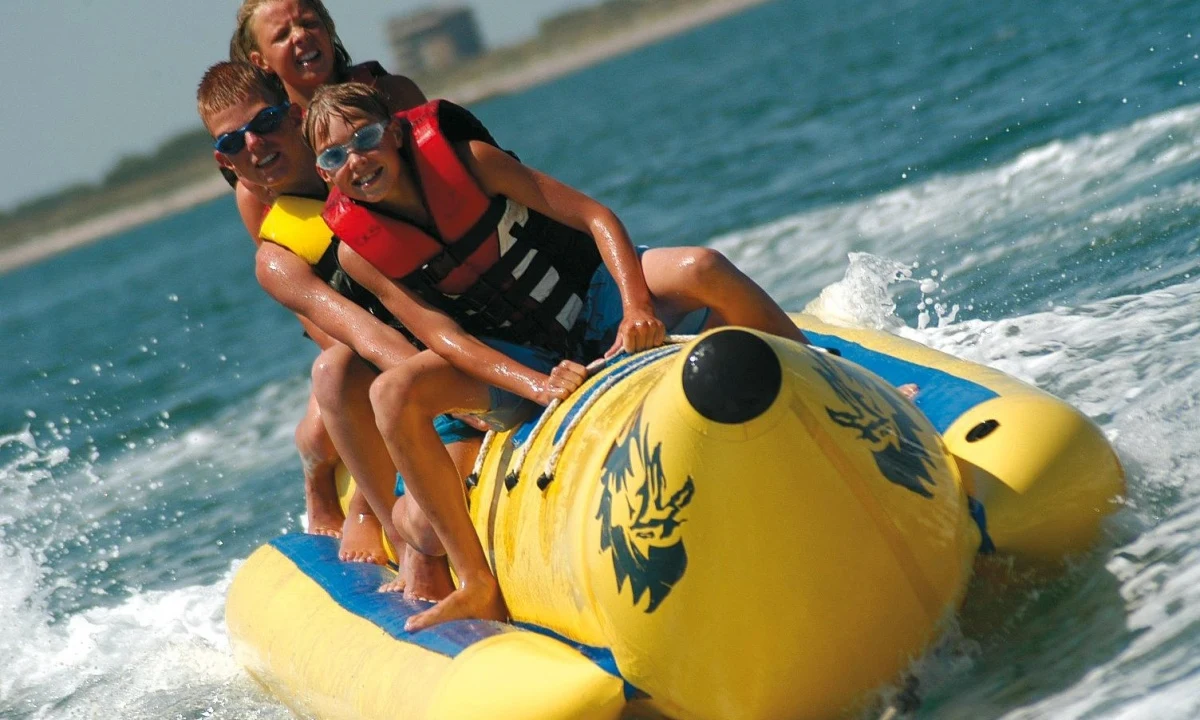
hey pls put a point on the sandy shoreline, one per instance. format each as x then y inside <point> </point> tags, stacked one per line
<point>130,216</point>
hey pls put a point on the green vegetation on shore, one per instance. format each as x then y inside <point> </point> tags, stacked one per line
<point>180,161</point>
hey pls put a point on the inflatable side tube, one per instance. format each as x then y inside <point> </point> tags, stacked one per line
<point>1044,473</point>
<point>317,635</point>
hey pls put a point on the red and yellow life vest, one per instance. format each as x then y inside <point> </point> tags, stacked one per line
<point>496,267</point>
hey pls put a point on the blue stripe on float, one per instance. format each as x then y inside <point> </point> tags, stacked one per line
<point>602,657</point>
<point>943,397</point>
<point>354,587</point>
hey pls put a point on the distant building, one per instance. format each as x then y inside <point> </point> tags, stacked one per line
<point>434,40</point>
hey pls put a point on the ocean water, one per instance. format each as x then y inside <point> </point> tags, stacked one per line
<point>1012,183</point>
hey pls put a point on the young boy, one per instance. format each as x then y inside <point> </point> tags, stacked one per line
<point>459,240</point>
<point>258,137</point>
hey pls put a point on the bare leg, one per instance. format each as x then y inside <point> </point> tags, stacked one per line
<point>342,382</point>
<point>689,278</point>
<point>362,535</point>
<point>423,577</point>
<point>341,385</point>
<point>406,400</point>
<point>427,577</point>
<point>319,460</point>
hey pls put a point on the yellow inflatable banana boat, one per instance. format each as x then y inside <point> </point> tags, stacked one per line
<point>738,527</point>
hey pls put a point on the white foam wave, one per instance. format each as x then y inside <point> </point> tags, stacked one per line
<point>251,435</point>
<point>157,655</point>
<point>1064,194</point>
<point>1128,362</point>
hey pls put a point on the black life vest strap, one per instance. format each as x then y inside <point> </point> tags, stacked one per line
<point>548,311</point>
<point>498,297</point>
<point>439,267</point>
<point>328,264</point>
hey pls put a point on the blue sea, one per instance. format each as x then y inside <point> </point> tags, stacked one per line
<point>1017,184</point>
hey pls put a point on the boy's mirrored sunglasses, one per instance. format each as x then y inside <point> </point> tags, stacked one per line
<point>266,121</point>
<point>365,138</point>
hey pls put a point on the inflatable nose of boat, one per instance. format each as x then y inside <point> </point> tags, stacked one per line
<point>731,376</point>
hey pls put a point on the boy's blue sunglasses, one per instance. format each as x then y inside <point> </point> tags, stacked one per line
<point>266,121</point>
<point>365,138</point>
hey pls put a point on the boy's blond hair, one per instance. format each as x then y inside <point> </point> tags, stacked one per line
<point>242,43</point>
<point>347,101</point>
<point>228,83</point>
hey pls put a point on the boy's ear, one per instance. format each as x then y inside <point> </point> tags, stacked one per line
<point>222,160</point>
<point>325,175</point>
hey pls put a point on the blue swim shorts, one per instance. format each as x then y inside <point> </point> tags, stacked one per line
<point>451,430</point>
<point>507,410</point>
<point>603,312</point>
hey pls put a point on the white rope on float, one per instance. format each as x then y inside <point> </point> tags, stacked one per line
<point>556,452</point>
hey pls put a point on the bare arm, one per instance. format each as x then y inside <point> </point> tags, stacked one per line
<point>445,337</point>
<point>291,281</point>
<point>501,174</point>
<point>252,210</point>
<point>319,336</point>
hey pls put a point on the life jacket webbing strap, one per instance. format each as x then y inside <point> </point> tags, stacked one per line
<point>454,256</point>
<point>327,266</point>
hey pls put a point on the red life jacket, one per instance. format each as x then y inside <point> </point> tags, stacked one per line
<point>498,268</point>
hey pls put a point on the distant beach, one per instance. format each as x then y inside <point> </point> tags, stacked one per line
<point>576,59</point>
<point>129,216</point>
<point>39,248</point>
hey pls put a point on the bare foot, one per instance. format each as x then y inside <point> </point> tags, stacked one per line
<point>908,390</point>
<point>393,586</point>
<point>325,524</point>
<point>478,598</point>
<point>426,577</point>
<point>362,540</point>
<point>321,500</point>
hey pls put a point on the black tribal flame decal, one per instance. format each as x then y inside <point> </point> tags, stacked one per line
<point>872,410</point>
<point>640,517</point>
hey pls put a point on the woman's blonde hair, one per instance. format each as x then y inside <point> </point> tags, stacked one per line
<point>242,43</point>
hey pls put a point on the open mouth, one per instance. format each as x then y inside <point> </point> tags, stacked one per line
<point>268,160</point>
<point>367,180</point>
<point>308,59</point>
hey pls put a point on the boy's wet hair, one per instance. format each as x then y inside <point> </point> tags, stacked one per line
<point>349,101</point>
<point>228,83</point>
<point>242,43</point>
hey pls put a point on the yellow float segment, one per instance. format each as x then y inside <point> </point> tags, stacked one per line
<point>784,566</point>
<point>1045,473</point>
<point>323,660</point>
<point>799,554</point>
